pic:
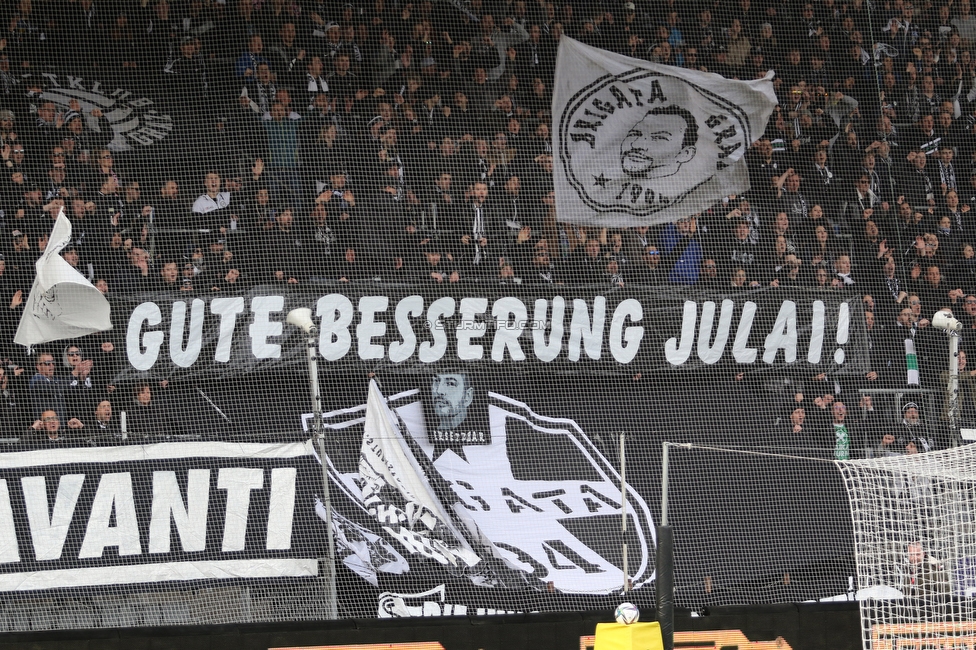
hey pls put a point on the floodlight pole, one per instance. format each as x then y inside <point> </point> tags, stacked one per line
<point>304,322</point>
<point>664,485</point>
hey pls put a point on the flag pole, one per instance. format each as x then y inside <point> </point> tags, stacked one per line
<point>623,507</point>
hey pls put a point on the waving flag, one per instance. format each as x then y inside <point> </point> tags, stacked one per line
<point>63,304</point>
<point>397,491</point>
<point>637,143</point>
<point>492,506</point>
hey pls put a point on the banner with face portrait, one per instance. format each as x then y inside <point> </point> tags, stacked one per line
<point>637,143</point>
<point>462,483</point>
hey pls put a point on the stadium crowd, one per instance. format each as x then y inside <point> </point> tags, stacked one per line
<point>411,141</point>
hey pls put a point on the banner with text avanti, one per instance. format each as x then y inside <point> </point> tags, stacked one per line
<point>565,329</point>
<point>157,514</point>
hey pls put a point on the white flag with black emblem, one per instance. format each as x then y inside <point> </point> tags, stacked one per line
<point>493,478</point>
<point>638,143</point>
<point>63,304</point>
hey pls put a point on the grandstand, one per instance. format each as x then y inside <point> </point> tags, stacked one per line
<point>393,166</point>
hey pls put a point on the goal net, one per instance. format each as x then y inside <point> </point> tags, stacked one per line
<point>915,543</point>
<point>523,228</point>
<point>776,525</point>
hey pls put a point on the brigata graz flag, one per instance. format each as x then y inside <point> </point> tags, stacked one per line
<point>455,483</point>
<point>640,143</point>
<point>63,304</point>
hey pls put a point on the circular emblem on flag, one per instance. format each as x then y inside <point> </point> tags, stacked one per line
<point>641,141</point>
<point>47,305</point>
<point>136,120</point>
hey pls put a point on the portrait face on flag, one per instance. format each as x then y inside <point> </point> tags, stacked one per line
<point>663,140</point>
<point>451,394</point>
<point>637,143</point>
<point>455,415</point>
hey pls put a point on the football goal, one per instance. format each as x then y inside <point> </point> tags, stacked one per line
<point>898,534</point>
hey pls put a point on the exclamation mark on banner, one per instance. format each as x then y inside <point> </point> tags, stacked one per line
<point>843,325</point>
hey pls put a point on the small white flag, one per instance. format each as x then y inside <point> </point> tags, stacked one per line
<point>638,143</point>
<point>63,304</point>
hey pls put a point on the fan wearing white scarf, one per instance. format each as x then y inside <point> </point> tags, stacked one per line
<point>842,271</point>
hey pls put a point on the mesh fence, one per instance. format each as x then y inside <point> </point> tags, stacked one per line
<point>507,269</point>
<point>753,532</point>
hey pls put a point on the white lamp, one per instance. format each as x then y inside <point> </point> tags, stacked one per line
<point>943,320</point>
<point>302,319</point>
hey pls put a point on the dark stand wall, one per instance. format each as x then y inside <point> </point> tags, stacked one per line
<point>804,626</point>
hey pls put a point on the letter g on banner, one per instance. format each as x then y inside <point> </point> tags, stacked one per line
<point>143,353</point>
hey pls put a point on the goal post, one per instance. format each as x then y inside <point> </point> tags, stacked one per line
<point>664,587</point>
<point>914,521</point>
<point>898,534</point>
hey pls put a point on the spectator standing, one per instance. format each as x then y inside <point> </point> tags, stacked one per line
<point>682,252</point>
<point>48,391</point>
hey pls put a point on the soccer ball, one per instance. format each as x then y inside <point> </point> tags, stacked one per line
<point>626,613</point>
